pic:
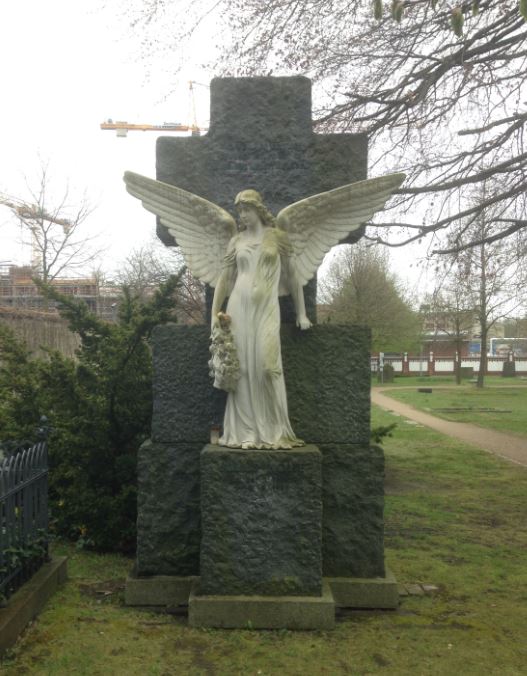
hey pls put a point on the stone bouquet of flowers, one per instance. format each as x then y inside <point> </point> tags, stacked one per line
<point>224,366</point>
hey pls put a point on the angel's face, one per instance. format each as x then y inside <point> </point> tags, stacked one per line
<point>249,216</point>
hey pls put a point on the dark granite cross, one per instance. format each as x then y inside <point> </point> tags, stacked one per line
<point>261,137</point>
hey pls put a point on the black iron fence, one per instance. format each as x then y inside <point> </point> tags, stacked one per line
<point>23,516</point>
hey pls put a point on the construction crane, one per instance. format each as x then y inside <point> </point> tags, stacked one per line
<point>122,128</point>
<point>34,212</point>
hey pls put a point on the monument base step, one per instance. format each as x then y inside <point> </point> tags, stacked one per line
<point>262,612</point>
<point>162,591</point>
<point>357,592</point>
<point>167,591</point>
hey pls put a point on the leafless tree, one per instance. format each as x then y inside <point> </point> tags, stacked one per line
<point>53,228</point>
<point>453,310</point>
<point>491,274</point>
<point>439,87</point>
<point>150,265</point>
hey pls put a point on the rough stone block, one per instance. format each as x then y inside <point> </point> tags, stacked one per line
<point>185,403</point>
<point>327,374</point>
<point>158,590</point>
<point>377,592</point>
<point>353,523</point>
<point>261,522</point>
<point>263,612</point>
<point>168,520</point>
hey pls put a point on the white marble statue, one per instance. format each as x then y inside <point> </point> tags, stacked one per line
<point>266,258</point>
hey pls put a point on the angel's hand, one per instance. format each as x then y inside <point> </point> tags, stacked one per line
<point>303,323</point>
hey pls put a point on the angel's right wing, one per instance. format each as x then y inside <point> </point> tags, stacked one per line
<point>202,229</point>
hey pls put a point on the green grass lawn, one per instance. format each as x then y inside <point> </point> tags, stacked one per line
<point>510,404</point>
<point>455,517</point>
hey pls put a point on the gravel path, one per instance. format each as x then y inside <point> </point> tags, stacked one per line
<point>507,446</point>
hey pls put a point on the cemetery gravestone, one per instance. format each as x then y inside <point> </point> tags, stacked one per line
<point>261,136</point>
<point>509,369</point>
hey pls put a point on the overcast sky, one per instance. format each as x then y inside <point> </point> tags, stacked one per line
<point>65,70</point>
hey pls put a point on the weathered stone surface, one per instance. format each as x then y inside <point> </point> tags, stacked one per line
<point>158,590</point>
<point>261,137</point>
<point>185,403</point>
<point>263,612</point>
<point>261,522</point>
<point>168,521</point>
<point>327,374</point>
<point>327,378</point>
<point>353,524</point>
<point>373,592</point>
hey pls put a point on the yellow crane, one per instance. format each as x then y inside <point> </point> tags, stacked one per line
<point>122,127</point>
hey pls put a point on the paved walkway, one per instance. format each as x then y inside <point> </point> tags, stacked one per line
<point>507,446</point>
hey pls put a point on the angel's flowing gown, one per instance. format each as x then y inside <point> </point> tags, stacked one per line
<point>256,412</point>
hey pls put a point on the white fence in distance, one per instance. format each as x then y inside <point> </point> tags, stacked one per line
<point>445,365</point>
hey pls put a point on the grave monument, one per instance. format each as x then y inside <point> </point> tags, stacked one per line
<point>262,530</point>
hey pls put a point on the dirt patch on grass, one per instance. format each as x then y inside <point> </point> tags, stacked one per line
<point>198,658</point>
<point>403,482</point>
<point>107,590</point>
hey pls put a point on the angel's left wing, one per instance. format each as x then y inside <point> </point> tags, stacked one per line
<point>201,228</point>
<point>317,223</point>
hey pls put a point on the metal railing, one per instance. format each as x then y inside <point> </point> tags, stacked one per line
<point>23,516</point>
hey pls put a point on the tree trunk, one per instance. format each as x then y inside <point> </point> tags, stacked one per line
<point>482,359</point>
<point>483,317</point>
<point>459,345</point>
<point>457,367</point>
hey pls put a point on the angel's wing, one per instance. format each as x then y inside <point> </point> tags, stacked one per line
<point>202,229</point>
<point>317,223</point>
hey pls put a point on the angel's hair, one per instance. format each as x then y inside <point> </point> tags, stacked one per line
<point>254,199</point>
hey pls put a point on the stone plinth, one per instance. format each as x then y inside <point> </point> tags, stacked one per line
<point>371,592</point>
<point>168,515</point>
<point>327,378</point>
<point>263,612</point>
<point>353,522</point>
<point>261,522</point>
<point>184,398</point>
<point>327,375</point>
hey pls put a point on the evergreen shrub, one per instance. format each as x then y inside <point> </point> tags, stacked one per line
<point>99,410</point>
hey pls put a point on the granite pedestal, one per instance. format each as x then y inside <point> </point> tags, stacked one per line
<point>261,521</point>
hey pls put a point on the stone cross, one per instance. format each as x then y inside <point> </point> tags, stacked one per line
<point>261,136</point>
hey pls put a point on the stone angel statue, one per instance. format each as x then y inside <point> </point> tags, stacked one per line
<point>252,266</point>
